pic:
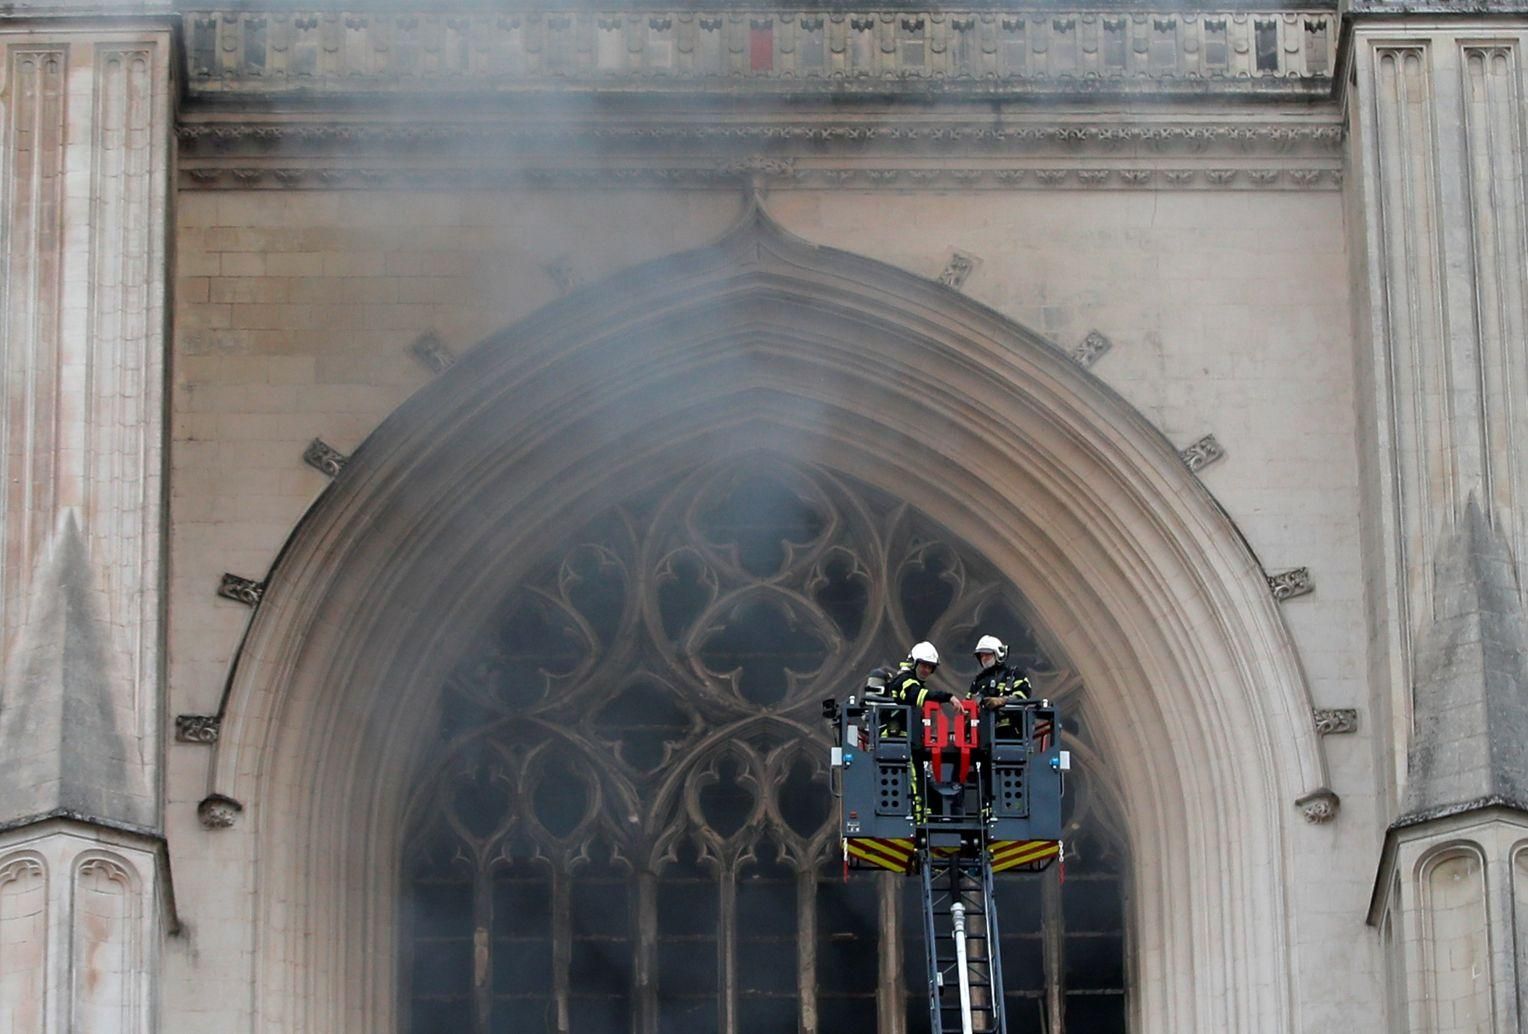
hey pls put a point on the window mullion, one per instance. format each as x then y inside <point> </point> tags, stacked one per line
<point>1055,946</point>
<point>891,996</point>
<point>645,967</point>
<point>562,946</point>
<point>482,949</point>
<point>806,948</point>
<point>726,947</point>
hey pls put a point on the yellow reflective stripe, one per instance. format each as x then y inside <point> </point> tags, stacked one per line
<point>1011,848</point>
<point>1010,854</point>
<point>893,854</point>
<point>922,693</point>
<point>900,847</point>
<point>876,861</point>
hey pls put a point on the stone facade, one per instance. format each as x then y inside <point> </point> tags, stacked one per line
<point>1204,326</point>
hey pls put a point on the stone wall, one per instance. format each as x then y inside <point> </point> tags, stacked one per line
<point>1226,313</point>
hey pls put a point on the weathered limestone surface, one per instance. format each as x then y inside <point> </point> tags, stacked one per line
<point>86,151</point>
<point>66,741</point>
<point>1472,682</point>
<point>1442,181</point>
<point>1441,176</point>
<point>298,310</point>
<point>84,169</point>
<point>1225,249</point>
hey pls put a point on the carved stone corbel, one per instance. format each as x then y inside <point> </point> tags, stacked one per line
<point>197,728</point>
<point>432,352</point>
<point>1202,453</point>
<point>1286,585</point>
<point>1320,805</point>
<point>958,268</point>
<point>1332,721</point>
<point>247,591</point>
<point>218,811</point>
<point>324,458</point>
<point>1092,348</point>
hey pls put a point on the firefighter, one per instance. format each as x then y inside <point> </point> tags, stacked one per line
<point>908,684</point>
<point>997,684</point>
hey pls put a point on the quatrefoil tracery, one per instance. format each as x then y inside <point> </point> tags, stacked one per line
<point>667,663</point>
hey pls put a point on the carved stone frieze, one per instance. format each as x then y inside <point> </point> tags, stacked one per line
<point>1202,453</point>
<point>325,458</point>
<point>1091,348</point>
<point>1286,585</point>
<point>957,269</point>
<point>432,352</point>
<point>222,138</point>
<point>1320,805</point>
<point>197,728</point>
<point>241,590</point>
<point>757,165</point>
<point>218,811</point>
<point>937,53</point>
<point>902,177</point>
<point>1332,721</point>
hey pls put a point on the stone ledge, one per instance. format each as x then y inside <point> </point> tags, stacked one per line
<point>1099,134</point>
<point>971,53</point>
<point>223,176</point>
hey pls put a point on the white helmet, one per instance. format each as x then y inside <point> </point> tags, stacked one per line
<point>993,645</point>
<point>924,653</point>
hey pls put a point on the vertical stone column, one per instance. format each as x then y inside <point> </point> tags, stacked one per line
<point>1439,134</point>
<point>84,163</point>
<point>1439,167</point>
<point>82,277</point>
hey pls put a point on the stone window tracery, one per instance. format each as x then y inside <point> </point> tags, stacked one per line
<point>622,821</point>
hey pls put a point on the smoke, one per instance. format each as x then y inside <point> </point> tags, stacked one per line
<point>624,808</point>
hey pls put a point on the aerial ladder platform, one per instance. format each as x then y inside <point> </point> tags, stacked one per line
<point>970,793</point>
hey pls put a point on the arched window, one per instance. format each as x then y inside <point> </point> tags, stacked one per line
<point>622,820</point>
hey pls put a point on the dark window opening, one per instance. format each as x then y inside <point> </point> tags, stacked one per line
<point>624,823</point>
<point>1266,44</point>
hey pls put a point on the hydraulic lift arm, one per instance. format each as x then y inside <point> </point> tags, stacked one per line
<point>968,794</point>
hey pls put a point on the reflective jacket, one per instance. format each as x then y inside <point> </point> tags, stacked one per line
<point>1000,681</point>
<point>905,687</point>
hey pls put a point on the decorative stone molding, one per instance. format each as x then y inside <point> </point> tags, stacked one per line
<point>1202,453</point>
<point>1333,721</point>
<point>324,458</point>
<point>432,352</point>
<point>1092,348</point>
<point>936,53</point>
<point>197,728</point>
<point>985,176</point>
<point>228,139</point>
<point>958,268</point>
<point>1286,585</point>
<point>218,811</point>
<point>1319,805</point>
<point>241,590</point>
<point>757,165</point>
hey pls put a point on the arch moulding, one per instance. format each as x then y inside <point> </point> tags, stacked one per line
<point>765,341</point>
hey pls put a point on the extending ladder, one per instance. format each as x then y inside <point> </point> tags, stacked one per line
<point>960,934</point>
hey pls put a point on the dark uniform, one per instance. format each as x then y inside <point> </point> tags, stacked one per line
<point>1001,681</point>
<point>904,687</point>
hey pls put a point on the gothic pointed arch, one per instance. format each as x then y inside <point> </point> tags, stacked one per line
<point>765,341</point>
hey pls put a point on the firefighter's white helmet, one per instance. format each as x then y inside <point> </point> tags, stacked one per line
<point>993,645</point>
<point>924,653</point>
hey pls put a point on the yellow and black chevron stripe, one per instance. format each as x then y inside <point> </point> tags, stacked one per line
<point>894,853</point>
<point>1029,855</point>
